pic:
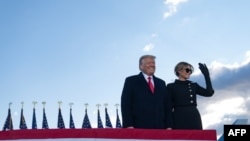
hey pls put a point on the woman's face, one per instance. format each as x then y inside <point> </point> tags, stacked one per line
<point>185,73</point>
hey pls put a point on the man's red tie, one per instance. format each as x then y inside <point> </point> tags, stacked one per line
<point>150,84</point>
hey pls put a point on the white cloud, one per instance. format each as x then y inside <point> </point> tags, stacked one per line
<point>218,68</point>
<point>148,47</point>
<point>231,99</point>
<point>224,107</point>
<point>247,58</point>
<point>172,7</point>
<point>217,111</point>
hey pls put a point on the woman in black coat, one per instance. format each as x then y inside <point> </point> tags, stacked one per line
<point>181,96</point>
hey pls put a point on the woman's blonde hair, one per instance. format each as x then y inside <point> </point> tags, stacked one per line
<point>180,66</point>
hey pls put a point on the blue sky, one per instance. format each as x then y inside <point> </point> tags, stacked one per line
<point>81,51</point>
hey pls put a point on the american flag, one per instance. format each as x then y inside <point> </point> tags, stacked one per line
<point>60,122</point>
<point>118,122</point>
<point>108,122</point>
<point>8,123</point>
<point>99,121</point>
<point>22,124</point>
<point>34,124</point>
<point>71,121</point>
<point>86,122</point>
<point>45,122</point>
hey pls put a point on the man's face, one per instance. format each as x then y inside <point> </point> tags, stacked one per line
<point>148,66</point>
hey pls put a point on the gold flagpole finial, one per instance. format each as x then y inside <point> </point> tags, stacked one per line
<point>10,104</point>
<point>34,103</point>
<point>70,104</point>
<point>22,104</point>
<point>86,105</point>
<point>106,105</point>
<point>98,105</point>
<point>43,104</point>
<point>59,103</point>
<point>116,105</point>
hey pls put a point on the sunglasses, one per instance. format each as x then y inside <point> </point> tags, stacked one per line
<point>188,70</point>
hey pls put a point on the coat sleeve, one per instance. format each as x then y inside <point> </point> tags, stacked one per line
<point>208,91</point>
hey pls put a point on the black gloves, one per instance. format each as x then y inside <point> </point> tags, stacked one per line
<point>204,69</point>
<point>205,72</point>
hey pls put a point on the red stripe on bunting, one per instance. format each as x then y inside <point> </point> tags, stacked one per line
<point>110,134</point>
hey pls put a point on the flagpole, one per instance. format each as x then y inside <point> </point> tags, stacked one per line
<point>108,123</point>
<point>59,103</point>
<point>86,105</point>
<point>8,123</point>
<point>34,124</point>
<point>43,104</point>
<point>106,105</point>
<point>70,104</point>
<point>86,123</point>
<point>118,122</point>
<point>45,122</point>
<point>98,105</point>
<point>10,119</point>
<point>116,105</point>
<point>99,121</point>
<point>60,122</point>
<point>34,104</point>
<point>22,104</point>
<point>71,121</point>
<point>10,104</point>
<point>22,124</point>
<point>106,118</point>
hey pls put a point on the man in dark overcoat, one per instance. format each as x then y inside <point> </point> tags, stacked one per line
<point>143,98</point>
